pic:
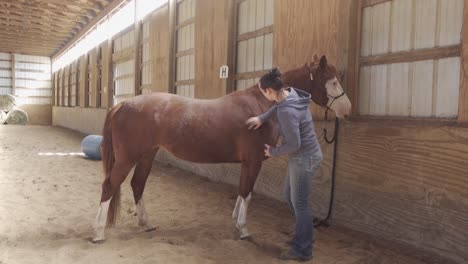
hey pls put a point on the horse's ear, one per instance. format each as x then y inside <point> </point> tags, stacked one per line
<point>323,62</point>
<point>316,58</point>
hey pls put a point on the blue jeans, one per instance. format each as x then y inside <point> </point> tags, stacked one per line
<point>297,189</point>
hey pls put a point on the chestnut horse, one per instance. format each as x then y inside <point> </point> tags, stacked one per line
<point>200,131</point>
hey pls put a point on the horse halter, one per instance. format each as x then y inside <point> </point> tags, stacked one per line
<point>334,98</point>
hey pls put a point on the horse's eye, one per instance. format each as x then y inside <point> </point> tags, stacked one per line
<point>335,83</point>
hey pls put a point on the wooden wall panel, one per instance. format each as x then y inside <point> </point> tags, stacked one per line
<point>66,86</point>
<point>55,87</point>
<point>463,99</point>
<point>83,89</point>
<point>406,184</point>
<point>211,46</point>
<point>160,49</point>
<point>73,83</point>
<point>106,74</point>
<point>61,87</point>
<point>318,28</point>
<point>92,68</point>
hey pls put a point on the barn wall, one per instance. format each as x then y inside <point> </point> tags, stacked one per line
<point>399,181</point>
<point>463,97</point>
<point>159,49</point>
<point>29,79</point>
<point>304,28</point>
<point>211,46</point>
<point>386,186</point>
<point>405,183</point>
<point>38,114</point>
<point>84,120</point>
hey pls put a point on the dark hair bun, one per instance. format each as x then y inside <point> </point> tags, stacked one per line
<point>272,79</point>
<point>275,73</point>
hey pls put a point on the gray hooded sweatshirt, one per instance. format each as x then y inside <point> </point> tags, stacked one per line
<point>295,125</point>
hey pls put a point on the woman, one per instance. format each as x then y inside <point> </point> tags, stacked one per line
<point>300,143</point>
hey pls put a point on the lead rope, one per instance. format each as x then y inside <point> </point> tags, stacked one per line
<point>326,222</point>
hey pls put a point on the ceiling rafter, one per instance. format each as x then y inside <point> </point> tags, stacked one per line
<point>80,20</point>
<point>43,27</point>
<point>88,5</point>
<point>28,26</point>
<point>65,45</point>
<point>44,9</point>
<point>33,22</point>
<point>36,44</point>
<point>56,20</point>
<point>31,36</point>
<point>39,52</point>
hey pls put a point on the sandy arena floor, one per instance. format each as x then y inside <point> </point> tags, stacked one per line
<point>48,203</point>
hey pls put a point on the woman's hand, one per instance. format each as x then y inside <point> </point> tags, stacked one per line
<point>253,122</point>
<point>267,151</point>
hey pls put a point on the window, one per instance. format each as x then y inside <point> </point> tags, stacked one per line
<point>146,67</point>
<point>410,58</point>
<point>123,59</point>
<point>254,41</point>
<point>185,46</point>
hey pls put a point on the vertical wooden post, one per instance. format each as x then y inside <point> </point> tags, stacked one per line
<point>98,76</point>
<point>77,83</point>
<point>13,75</point>
<point>232,45</point>
<point>463,97</point>
<point>69,73</point>
<point>93,84</point>
<point>110,79</point>
<point>172,43</point>
<point>137,69</point>
<point>83,65</point>
<point>54,87</point>
<point>354,54</point>
<point>106,69</point>
<point>59,86</point>
<point>63,86</point>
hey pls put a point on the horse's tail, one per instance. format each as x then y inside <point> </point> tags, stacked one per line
<point>108,160</point>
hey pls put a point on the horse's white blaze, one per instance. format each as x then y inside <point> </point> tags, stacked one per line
<point>142,215</point>
<point>100,223</point>
<point>241,224</point>
<point>342,105</point>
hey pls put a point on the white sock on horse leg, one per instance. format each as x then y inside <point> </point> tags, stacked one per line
<point>141,213</point>
<point>242,218</point>
<point>143,216</point>
<point>101,219</point>
<point>235,212</point>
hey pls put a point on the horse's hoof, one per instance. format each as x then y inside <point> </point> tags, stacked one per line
<point>146,227</point>
<point>245,236</point>
<point>150,229</point>
<point>97,241</point>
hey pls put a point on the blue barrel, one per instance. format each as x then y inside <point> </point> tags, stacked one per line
<point>91,145</point>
